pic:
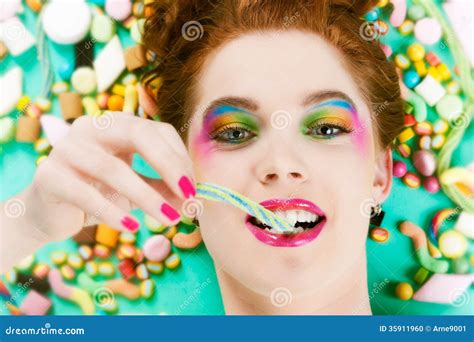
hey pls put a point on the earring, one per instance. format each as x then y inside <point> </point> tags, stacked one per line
<point>376,215</point>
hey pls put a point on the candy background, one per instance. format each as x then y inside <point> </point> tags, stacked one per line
<point>192,288</point>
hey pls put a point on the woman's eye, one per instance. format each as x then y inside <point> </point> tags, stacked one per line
<point>234,135</point>
<point>326,130</point>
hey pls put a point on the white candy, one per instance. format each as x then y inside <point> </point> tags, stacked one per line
<point>84,80</point>
<point>66,21</point>
<point>465,224</point>
<point>109,64</point>
<point>431,90</point>
<point>15,36</point>
<point>11,85</point>
<point>7,130</point>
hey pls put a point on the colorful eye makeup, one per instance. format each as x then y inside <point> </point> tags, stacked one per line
<point>332,118</point>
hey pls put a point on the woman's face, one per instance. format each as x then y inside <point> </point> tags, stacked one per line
<point>278,118</point>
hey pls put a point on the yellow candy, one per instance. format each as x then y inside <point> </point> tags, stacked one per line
<point>130,104</point>
<point>444,72</point>
<point>433,71</point>
<point>379,234</point>
<point>440,127</point>
<point>115,103</point>
<point>67,272</point>
<point>42,146</point>
<point>453,88</point>
<point>420,68</point>
<point>40,160</point>
<point>106,269</point>
<point>118,89</point>
<point>406,135</point>
<point>147,288</point>
<point>92,268</point>
<point>23,103</point>
<point>106,235</point>
<point>142,272</point>
<point>404,291</point>
<point>416,52</point>
<point>406,27</point>
<point>404,150</point>
<point>171,232</point>
<point>127,238</point>
<point>154,267</point>
<point>75,261</point>
<point>172,261</point>
<point>402,61</point>
<point>452,244</point>
<point>58,257</point>
<point>425,142</point>
<point>90,105</point>
<point>438,141</point>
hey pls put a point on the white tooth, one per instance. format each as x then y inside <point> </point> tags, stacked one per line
<point>298,230</point>
<point>291,216</point>
<point>307,216</point>
<point>313,217</point>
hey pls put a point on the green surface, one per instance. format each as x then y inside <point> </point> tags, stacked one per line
<point>177,291</point>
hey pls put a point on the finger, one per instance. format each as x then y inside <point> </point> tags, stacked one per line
<point>146,102</point>
<point>118,175</point>
<point>146,137</point>
<point>65,185</point>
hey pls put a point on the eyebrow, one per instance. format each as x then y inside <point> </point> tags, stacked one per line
<point>252,106</point>
<point>320,96</point>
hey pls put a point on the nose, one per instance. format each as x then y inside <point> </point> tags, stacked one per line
<point>284,170</point>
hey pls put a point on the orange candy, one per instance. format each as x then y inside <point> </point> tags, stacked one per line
<point>115,103</point>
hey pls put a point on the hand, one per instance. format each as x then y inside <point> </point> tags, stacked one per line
<point>87,177</point>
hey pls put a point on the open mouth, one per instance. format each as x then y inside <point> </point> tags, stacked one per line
<point>304,216</point>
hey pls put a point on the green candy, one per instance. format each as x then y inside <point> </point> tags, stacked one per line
<point>460,265</point>
<point>449,107</point>
<point>102,28</point>
<point>416,12</point>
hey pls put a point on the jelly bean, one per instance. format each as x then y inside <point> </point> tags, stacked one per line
<point>59,88</point>
<point>379,234</point>
<point>424,162</point>
<point>42,146</point>
<point>101,251</point>
<point>171,232</point>
<point>423,128</point>
<point>404,291</point>
<point>115,103</point>
<point>58,257</point>
<point>399,169</point>
<point>412,180</point>
<point>147,288</point>
<point>153,225</point>
<point>402,61</point>
<point>85,252</point>
<point>118,89</point>
<point>432,59</point>
<point>425,142</point>
<point>420,68</point>
<point>438,141</point>
<point>67,272</point>
<point>406,28</point>
<point>106,269</point>
<point>440,127</point>
<point>416,52</point>
<point>131,99</point>
<point>43,104</point>
<point>421,275</point>
<point>41,270</point>
<point>75,261</point>
<point>126,251</point>
<point>90,106</point>
<point>172,261</point>
<point>154,267</point>
<point>453,87</point>
<point>127,268</point>
<point>431,184</point>
<point>406,135</point>
<point>188,241</point>
<point>92,268</point>
<point>452,244</point>
<point>142,272</point>
<point>102,100</point>
<point>157,248</point>
<point>404,150</point>
<point>411,79</point>
<point>444,72</point>
<point>74,294</point>
<point>127,238</point>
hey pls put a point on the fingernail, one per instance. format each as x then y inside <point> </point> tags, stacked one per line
<point>129,223</point>
<point>187,187</point>
<point>169,212</point>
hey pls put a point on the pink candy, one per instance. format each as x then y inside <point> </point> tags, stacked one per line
<point>157,248</point>
<point>425,162</point>
<point>399,169</point>
<point>118,9</point>
<point>431,184</point>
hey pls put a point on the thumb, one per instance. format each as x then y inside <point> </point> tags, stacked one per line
<point>147,102</point>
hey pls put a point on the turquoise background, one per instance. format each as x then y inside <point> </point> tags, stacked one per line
<point>177,290</point>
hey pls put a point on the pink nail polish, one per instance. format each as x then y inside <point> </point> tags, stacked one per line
<point>187,187</point>
<point>169,212</point>
<point>129,223</point>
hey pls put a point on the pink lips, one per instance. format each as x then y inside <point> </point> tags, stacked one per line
<point>293,240</point>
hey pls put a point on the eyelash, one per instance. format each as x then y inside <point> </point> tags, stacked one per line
<point>217,136</point>
<point>342,128</point>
